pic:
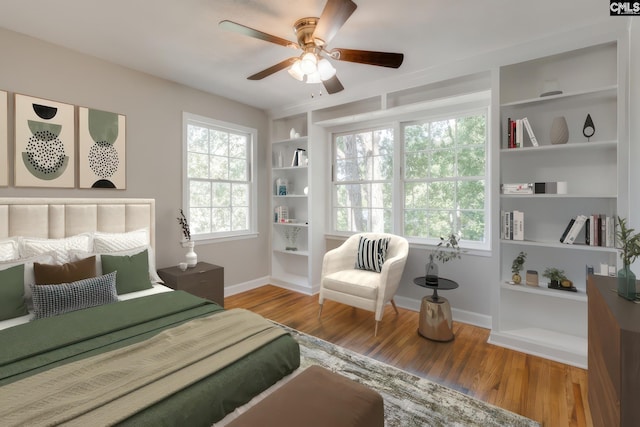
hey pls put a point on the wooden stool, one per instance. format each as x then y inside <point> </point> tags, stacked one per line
<point>316,398</point>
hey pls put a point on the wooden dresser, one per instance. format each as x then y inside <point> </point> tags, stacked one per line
<point>614,355</point>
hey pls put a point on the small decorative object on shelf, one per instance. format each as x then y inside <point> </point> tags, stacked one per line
<point>629,247</point>
<point>532,278</point>
<point>191,256</point>
<point>516,267</point>
<point>446,250</point>
<point>299,157</point>
<point>549,88</point>
<point>292,133</point>
<point>558,280</point>
<point>281,214</point>
<point>291,234</point>
<point>559,131</point>
<point>282,186</point>
<point>589,129</point>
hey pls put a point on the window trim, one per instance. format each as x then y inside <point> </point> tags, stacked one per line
<point>252,232</point>
<point>464,107</point>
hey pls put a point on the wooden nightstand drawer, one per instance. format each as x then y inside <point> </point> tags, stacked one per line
<point>204,280</point>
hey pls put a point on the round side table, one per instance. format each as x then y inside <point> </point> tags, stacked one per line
<point>436,321</point>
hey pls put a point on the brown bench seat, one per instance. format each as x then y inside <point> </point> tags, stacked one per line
<point>316,397</point>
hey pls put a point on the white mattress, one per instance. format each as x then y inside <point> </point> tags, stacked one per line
<point>156,289</point>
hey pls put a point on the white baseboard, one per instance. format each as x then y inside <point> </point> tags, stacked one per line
<point>246,286</point>
<point>476,319</point>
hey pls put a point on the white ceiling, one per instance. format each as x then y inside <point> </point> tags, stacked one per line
<point>179,40</point>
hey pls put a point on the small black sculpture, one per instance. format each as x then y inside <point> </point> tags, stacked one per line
<point>589,128</point>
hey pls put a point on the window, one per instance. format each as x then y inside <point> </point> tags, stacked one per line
<point>363,172</point>
<point>219,191</point>
<point>444,177</point>
<point>441,189</point>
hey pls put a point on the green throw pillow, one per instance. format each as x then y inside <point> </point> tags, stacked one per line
<point>133,271</point>
<point>12,293</point>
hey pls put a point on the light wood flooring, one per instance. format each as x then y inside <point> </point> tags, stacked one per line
<point>549,392</point>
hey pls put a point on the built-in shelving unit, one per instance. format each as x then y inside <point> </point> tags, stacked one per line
<point>538,320</point>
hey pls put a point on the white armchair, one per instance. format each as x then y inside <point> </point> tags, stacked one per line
<point>369,290</point>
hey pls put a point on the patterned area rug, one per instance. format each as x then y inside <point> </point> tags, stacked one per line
<point>408,399</point>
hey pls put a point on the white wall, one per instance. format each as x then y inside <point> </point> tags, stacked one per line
<point>153,108</point>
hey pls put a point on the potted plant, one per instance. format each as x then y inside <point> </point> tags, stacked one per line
<point>516,268</point>
<point>557,278</point>
<point>628,244</point>
<point>446,250</point>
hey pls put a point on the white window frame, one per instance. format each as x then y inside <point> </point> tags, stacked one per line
<point>252,232</point>
<point>464,107</point>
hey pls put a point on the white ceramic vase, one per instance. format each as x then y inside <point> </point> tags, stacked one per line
<point>191,256</point>
<point>559,131</point>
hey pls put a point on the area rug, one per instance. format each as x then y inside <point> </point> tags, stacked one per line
<point>408,399</point>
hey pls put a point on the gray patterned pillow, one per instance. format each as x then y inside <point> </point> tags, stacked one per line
<point>52,300</point>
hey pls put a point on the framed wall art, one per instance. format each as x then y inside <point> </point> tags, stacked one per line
<point>102,141</point>
<point>4,135</point>
<point>44,143</point>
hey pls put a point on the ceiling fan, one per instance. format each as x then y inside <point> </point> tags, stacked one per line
<point>314,34</point>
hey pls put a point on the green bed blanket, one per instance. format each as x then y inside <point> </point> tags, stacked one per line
<point>42,344</point>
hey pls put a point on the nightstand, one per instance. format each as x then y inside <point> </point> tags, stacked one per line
<point>204,280</point>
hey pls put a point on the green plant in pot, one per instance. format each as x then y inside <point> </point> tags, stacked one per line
<point>557,277</point>
<point>516,267</point>
<point>446,250</point>
<point>628,244</point>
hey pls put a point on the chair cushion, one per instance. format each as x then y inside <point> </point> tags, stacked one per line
<point>371,253</point>
<point>355,282</point>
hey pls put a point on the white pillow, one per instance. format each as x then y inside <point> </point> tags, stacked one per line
<point>31,246</point>
<point>153,274</point>
<point>9,249</point>
<point>29,275</point>
<point>113,242</point>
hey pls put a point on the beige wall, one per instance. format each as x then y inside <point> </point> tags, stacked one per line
<point>153,108</point>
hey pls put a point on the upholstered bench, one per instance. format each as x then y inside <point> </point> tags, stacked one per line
<point>316,397</point>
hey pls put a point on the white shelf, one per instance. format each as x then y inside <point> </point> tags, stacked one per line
<point>558,196</point>
<point>593,145</point>
<point>579,296</point>
<point>288,168</point>
<point>291,224</point>
<point>296,253</point>
<point>607,91</point>
<point>302,139</point>
<point>290,196</point>
<point>576,246</point>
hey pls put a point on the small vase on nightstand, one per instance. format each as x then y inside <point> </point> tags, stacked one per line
<point>191,256</point>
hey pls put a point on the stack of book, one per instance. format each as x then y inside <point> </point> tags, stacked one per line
<point>599,230</point>
<point>519,188</point>
<point>512,225</point>
<point>515,133</point>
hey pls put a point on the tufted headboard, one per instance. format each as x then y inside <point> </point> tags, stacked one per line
<point>56,218</point>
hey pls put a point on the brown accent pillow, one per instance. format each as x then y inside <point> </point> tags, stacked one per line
<point>48,274</point>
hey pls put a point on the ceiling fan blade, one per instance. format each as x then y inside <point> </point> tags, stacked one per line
<point>334,15</point>
<point>273,69</point>
<point>333,85</point>
<point>382,59</point>
<point>247,31</point>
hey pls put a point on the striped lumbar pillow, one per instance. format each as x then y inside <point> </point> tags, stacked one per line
<point>371,254</point>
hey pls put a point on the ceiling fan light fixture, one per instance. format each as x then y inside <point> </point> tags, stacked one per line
<point>313,78</point>
<point>296,71</point>
<point>325,69</point>
<point>308,62</point>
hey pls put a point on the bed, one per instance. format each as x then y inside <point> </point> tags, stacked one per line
<point>98,341</point>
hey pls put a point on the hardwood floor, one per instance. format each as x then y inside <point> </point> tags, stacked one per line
<point>549,392</point>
